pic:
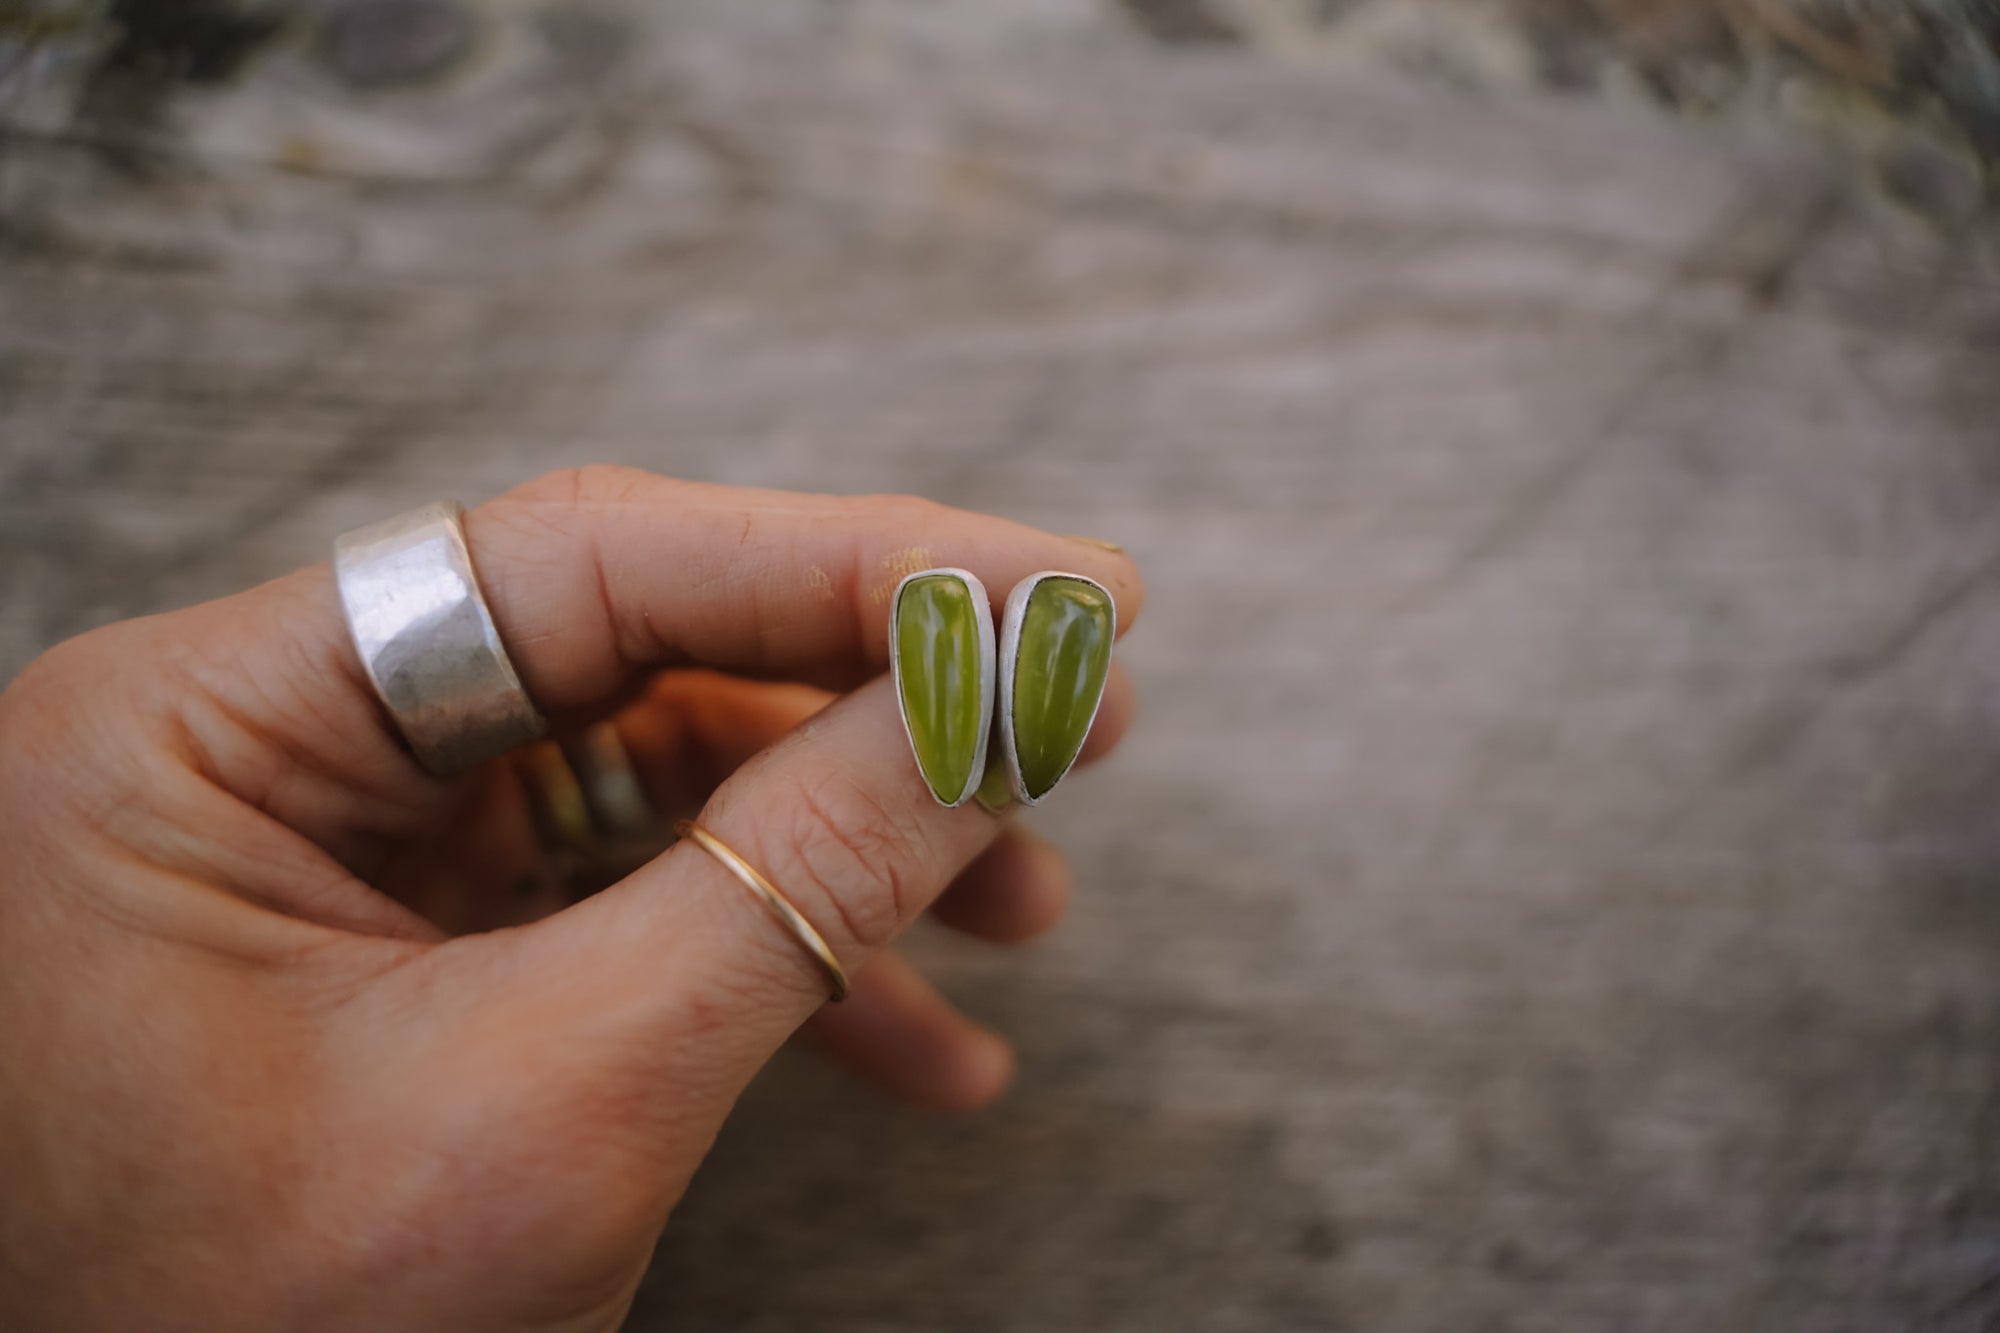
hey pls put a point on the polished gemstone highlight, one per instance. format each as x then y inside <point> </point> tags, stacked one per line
<point>1059,657</point>
<point>942,636</point>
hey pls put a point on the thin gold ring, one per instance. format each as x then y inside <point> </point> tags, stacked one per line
<point>776,902</point>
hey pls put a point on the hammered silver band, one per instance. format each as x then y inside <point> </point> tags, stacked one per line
<point>427,639</point>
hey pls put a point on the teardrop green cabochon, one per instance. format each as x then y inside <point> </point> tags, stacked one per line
<point>941,666</point>
<point>1060,665</point>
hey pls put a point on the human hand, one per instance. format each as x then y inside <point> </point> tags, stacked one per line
<point>293,1035</point>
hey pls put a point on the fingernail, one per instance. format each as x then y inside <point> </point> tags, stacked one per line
<point>1099,542</point>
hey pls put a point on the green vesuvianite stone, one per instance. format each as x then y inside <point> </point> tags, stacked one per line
<point>1064,655</point>
<point>938,665</point>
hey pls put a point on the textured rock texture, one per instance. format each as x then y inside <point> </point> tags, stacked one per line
<point>1908,89</point>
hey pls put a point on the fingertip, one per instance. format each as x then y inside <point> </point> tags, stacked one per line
<point>1109,564</point>
<point>1018,888</point>
<point>1129,592</point>
<point>1120,574</point>
<point>896,1030</point>
<point>985,1070</point>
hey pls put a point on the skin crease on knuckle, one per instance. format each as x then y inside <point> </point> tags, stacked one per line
<point>842,846</point>
<point>176,777</point>
<point>568,507</point>
<point>841,858</point>
<point>82,781</point>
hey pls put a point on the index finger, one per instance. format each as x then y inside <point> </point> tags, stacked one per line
<point>595,578</point>
<point>600,574</point>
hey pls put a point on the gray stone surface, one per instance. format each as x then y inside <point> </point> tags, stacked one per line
<point>1553,886</point>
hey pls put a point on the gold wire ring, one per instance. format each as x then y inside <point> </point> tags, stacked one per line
<point>776,902</point>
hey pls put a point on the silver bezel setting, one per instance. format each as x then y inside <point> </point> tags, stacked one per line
<point>1010,656</point>
<point>983,610</point>
<point>427,640</point>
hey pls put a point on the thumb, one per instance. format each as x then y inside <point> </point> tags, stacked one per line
<point>664,994</point>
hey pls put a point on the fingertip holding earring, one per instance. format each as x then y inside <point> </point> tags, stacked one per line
<point>1055,657</point>
<point>941,650</point>
<point>996,789</point>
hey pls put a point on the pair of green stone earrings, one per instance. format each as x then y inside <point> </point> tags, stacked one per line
<point>1047,676</point>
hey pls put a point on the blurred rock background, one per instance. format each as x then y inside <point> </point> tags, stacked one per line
<point>1910,88</point>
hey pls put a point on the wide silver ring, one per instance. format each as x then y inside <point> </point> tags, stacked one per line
<point>427,639</point>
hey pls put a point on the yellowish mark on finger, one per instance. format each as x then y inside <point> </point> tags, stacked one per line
<point>895,565</point>
<point>819,583</point>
